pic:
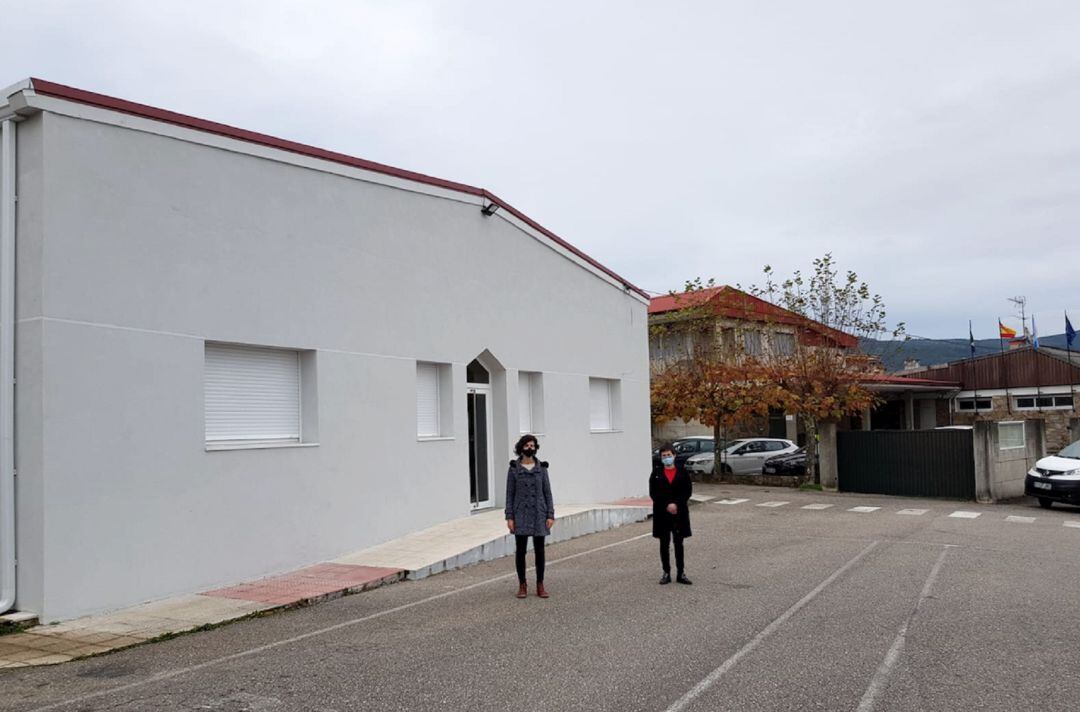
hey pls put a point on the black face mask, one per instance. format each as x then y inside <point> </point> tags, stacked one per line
<point>528,452</point>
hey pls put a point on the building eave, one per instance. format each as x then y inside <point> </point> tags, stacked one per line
<point>18,98</point>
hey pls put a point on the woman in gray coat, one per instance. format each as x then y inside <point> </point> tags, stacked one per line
<point>530,510</point>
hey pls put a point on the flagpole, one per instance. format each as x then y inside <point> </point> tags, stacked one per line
<point>1038,371</point>
<point>974,376</point>
<point>1004,366</point>
<point>1068,349</point>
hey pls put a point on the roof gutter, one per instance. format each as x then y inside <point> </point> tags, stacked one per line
<point>7,363</point>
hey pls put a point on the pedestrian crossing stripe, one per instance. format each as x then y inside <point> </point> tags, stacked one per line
<point>958,514</point>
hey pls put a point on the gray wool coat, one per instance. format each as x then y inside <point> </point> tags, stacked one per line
<point>528,499</point>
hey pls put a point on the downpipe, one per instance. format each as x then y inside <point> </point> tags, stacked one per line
<point>7,365</point>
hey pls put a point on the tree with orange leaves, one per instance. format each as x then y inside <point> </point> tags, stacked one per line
<point>707,377</point>
<point>821,382</point>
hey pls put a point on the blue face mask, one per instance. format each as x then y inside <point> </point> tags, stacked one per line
<point>668,461</point>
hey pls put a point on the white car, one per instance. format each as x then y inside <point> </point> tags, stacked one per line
<point>1055,478</point>
<point>742,457</point>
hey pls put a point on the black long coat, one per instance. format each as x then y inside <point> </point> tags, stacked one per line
<point>528,498</point>
<point>664,493</point>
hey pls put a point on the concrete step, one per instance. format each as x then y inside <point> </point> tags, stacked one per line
<point>484,537</point>
<point>17,620</point>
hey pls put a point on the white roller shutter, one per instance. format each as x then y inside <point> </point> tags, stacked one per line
<point>427,400</point>
<point>252,394</point>
<point>599,404</point>
<point>525,401</point>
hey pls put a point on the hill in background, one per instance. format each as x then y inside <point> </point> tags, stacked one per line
<point>931,352</point>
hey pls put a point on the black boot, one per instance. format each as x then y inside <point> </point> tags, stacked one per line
<point>666,578</point>
<point>681,578</point>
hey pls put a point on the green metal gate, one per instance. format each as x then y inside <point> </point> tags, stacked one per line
<point>912,463</point>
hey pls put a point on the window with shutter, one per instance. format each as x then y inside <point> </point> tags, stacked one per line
<point>251,394</point>
<point>427,400</point>
<point>600,417</point>
<point>1011,435</point>
<point>525,401</point>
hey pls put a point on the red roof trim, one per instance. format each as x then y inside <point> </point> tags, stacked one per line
<point>737,304</point>
<point>82,96</point>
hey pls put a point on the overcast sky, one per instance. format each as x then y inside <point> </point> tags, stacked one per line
<point>933,147</point>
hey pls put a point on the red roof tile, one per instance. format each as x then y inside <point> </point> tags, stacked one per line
<point>734,303</point>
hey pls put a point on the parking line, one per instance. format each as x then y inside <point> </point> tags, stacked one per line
<point>1022,520</point>
<point>177,672</point>
<point>864,510</point>
<point>732,501</point>
<point>817,506</point>
<point>773,504</point>
<point>712,678</point>
<point>881,677</point>
<point>914,512</point>
<point>961,514</point>
<point>1073,523</point>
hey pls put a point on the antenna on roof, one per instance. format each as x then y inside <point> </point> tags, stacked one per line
<point>1020,303</point>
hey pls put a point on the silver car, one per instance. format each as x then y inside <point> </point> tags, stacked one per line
<point>742,457</point>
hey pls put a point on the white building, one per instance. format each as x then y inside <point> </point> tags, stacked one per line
<point>236,355</point>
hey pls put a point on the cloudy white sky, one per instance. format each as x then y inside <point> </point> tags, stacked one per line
<point>933,147</point>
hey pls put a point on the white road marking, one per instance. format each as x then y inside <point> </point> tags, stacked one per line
<point>881,678</point>
<point>170,674</point>
<point>914,512</point>
<point>773,504</point>
<point>1075,524</point>
<point>712,678</point>
<point>864,510</point>
<point>961,514</point>
<point>732,501</point>
<point>817,506</point>
<point>1022,520</point>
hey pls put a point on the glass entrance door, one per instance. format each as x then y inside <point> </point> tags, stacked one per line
<point>480,465</point>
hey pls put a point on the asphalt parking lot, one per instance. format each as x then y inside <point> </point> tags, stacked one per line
<point>824,602</point>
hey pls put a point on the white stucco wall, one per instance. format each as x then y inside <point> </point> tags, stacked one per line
<point>136,248</point>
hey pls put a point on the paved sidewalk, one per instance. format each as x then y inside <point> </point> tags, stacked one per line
<point>450,545</point>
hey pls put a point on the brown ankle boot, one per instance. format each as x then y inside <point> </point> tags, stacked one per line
<point>540,590</point>
<point>523,591</point>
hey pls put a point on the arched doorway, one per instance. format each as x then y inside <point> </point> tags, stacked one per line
<point>478,397</point>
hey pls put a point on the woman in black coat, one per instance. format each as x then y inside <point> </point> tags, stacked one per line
<point>530,509</point>
<point>670,490</point>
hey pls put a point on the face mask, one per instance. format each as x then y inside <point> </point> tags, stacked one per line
<point>528,452</point>
<point>668,461</point>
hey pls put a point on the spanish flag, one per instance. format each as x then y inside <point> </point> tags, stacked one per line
<point>1005,332</point>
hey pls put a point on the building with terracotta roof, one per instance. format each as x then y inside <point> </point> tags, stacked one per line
<point>755,326</point>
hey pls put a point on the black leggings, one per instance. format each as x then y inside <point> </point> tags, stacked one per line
<point>665,555</point>
<point>538,551</point>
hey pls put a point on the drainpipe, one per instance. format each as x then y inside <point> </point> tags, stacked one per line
<point>7,365</point>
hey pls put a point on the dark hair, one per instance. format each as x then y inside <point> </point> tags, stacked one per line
<point>525,439</point>
<point>665,447</point>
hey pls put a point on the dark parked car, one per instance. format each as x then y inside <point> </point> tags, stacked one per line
<point>792,463</point>
<point>1056,478</point>
<point>685,448</point>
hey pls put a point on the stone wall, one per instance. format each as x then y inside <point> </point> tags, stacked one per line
<point>1056,423</point>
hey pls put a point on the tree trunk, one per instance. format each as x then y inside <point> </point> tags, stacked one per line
<point>811,450</point>
<point>717,470</point>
